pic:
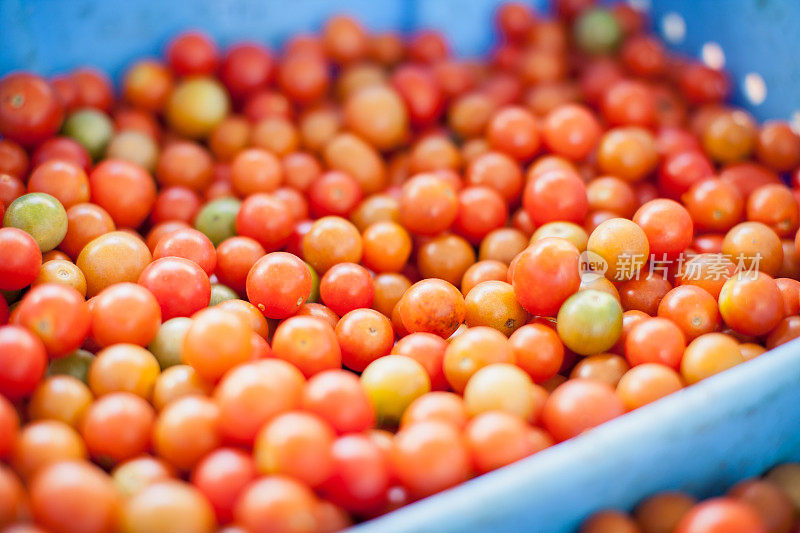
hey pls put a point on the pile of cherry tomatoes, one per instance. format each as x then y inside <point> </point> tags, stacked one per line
<point>759,505</point>
<point>288,291</point>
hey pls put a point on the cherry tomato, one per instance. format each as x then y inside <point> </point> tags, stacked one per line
<point>192,53</point>
<point>655,340</point>
<point>432,306</point>
<point>30,112</point>
<point>596,402</point>
<point>58,315</point>
<point>117,426</point>
<point>278,284</point>
<point>20,259</point>
<point>25,360</point>
<point>345,287</point>
<point>125,313</point>
<point>360,478</point>
<point>276,502</point>
<point>58,496</point>
<point>308,343</point>
<point>253,393</point>
<point>266,219</point>
<point>556,196</point>
<point>217,341</point>
<point>721,514</point>
<point>221,477</point>
<point>180,286</point>
<point>245,68</point>
<point>337,397</point>
<point>296,444</point>
<point>430,456</point>
<point>545,275</point>
<point>166,506</point>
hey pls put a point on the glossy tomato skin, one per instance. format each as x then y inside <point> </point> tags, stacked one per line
<point>180,286</point>
<point>189,244</point>
<point>538,350</point>
<point>347,286</point>
<point>64,148</point>
<point>556,196</point>
<point>278,284</point>
<point>276,503</point>
<point>20,259</point>
<point>297,444</point>
<point>668,227</point>
<point>360,476</point>
<point>125,313</point>
<point>14,160</point>
<point>432,306</point>
<point>364,335</point>
<point>110,177</point>
<point>118,426</point>
<point>751,304</point>
<point>655,340</point>
<point>59,494</point>
<point>235,257</point>
<point>30,110</point>
<point>94,88</point>
<point>721,514</point>
<point>23,361</point>
<point>308,343</point>
<point>175,203</point>
<point>429,457</point>
<point>546,274</point>
<point>337,397</point>
<point>595,401</point>
<point>58,315</point>
<point>222,476</point>
<point>274,385</point>
<point>245,68</point>
<point>420,92</point>
<point>428,350</point>
<point>473,350</point>
<point>266,219</point>
<point>192,54</point>
<point>168,506</point>
<point>9,423</point>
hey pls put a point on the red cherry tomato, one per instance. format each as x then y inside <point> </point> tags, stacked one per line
<point>545,274</point>
<point>222,476</point>
<point>557,195</point>
<point>347,286</point>
<point>246,68</point>
<point>22,362</point>
<point>30,110</point>
<point>20,259</point>
<point>192,54</point>
<point>58,315</point>
<point>579,405</point>
<point>180,286</point>
<point>278,284</point>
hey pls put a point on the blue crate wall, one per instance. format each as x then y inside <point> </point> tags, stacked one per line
<point>702,440</point>
<point>758,37</point>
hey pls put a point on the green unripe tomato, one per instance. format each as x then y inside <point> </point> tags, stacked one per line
<point>217,219</point>
<point>597,31</point>
<point>41,216</point>
<point>590,322</point>
<point>90,127</point>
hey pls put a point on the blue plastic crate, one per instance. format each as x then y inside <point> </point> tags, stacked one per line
<point>759,37</point>
<point>702,439</point>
